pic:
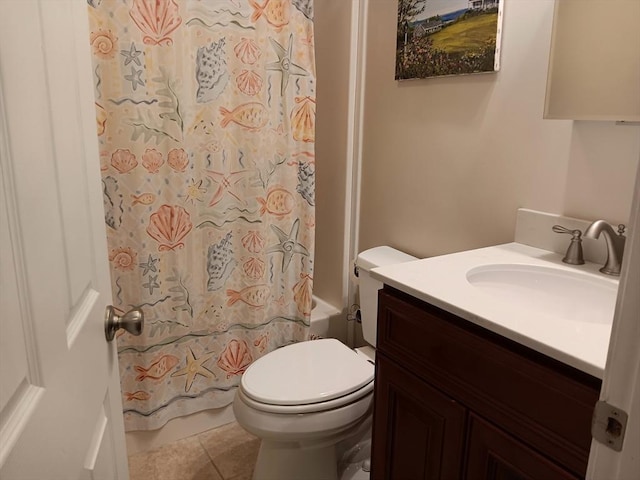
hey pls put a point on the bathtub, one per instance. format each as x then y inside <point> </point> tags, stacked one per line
<point>199,422</point>
<point>321,313</point>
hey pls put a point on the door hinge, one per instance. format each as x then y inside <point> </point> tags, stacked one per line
<point>608,425</point>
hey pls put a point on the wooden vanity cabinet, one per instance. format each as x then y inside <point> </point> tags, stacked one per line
<point>454,400</point>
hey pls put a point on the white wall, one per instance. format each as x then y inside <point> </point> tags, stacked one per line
<point>447,161</point>
<point>332,28</point>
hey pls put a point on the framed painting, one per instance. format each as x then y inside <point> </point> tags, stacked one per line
<point>447,37</point>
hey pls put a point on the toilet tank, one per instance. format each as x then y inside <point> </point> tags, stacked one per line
<point>368,286</point>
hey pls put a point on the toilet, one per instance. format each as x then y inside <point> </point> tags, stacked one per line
<point>311,403</point>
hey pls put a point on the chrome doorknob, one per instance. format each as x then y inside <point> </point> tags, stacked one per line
<point>132,322</point>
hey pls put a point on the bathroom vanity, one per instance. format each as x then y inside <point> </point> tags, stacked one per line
<point>489,361</point>
<point>455,400</point>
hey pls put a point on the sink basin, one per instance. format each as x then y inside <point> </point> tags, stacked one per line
<point>523,293</point>
<point>550,291</point>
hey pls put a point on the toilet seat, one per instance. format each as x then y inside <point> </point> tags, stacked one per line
<point>309,376</point>
<point>309,407</point>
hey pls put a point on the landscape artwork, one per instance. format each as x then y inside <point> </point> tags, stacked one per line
<point>447,37</point>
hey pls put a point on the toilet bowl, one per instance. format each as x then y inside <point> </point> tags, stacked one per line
<point>310,402</point>
<point>320,394</point>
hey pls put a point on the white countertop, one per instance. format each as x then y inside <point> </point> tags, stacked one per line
<point>442,281</point>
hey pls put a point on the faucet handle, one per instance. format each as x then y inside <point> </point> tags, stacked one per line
<point>561,229</point>
<point>574,255</point>
<point>621,229</point>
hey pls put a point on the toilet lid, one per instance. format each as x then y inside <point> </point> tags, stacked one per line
<point>306,373</point>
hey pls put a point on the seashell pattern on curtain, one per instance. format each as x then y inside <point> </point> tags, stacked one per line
<point>205,114</point>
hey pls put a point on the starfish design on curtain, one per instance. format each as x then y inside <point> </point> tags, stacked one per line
<point>194,367</point>
<point>131,55</point>
<point>134,78</point>
<point>149,265</point>
<point>288,244</point>
<point>284,63</point>
<point>152,283</point>
<point>227,184</point>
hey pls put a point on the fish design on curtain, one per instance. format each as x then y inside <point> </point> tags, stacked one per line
<point>205,114</point>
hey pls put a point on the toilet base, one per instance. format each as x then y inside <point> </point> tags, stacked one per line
<point>355,472</point>
<point>327,461</point>
<point>355,461</point>
<point>304,446</point>
<point>280,461</point>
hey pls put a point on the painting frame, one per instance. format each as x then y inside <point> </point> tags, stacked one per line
<point>437,38</point>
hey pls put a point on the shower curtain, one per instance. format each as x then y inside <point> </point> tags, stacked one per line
<point>205,117</point>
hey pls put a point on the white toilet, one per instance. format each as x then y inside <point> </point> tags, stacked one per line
<point>308,401</point>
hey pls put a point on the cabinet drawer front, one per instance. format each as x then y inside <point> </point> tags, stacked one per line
<point>418,431</point>
<point>539,400</point>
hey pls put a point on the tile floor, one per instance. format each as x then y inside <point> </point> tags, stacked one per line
<point>224,453</point>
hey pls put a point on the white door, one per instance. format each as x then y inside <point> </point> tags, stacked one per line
<point>60,407</point>
<point>621,382</point>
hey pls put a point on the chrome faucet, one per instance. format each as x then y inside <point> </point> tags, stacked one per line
<point>615,244</point>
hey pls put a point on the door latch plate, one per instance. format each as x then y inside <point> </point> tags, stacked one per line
<point>608,425</point>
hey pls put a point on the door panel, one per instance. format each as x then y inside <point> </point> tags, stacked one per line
<point>495,455</point>
<point>60,408</point>
<point>13,358</point>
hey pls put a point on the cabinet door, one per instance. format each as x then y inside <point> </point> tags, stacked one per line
<point>418,432</point>
<point>536,399</point>
<point>492,454</point>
